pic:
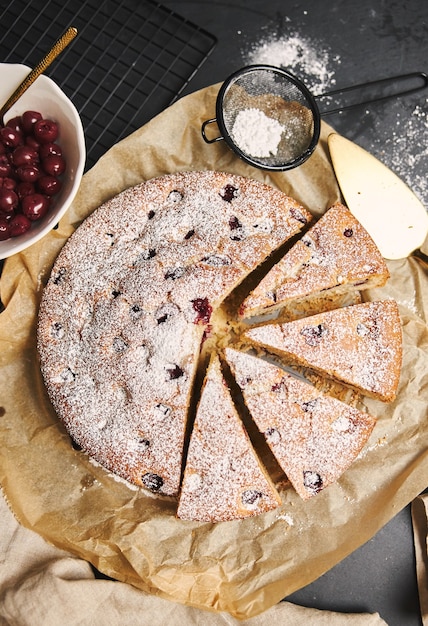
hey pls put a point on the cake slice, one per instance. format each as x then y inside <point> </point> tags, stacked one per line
<point>359,345</point>
<point>314,437</point>
<point>335,255</point>
<point>223,478</point>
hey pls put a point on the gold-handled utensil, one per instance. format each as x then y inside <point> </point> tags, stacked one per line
<point>66,38</point>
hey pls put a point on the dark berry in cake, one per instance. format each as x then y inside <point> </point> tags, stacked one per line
<point>152,481</point>
<point>250,497</point>
<point>203,310</point>
<point>228,193</point>
<point>314,334</point>
<point>175,372</point>
<point>312,481</point>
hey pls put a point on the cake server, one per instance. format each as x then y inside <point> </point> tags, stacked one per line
<point>387,208</point>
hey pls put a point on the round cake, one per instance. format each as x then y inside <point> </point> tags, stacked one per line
<point>128,303</point>
<point>123,325</point>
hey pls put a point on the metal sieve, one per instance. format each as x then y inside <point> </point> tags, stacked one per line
<point>271,120</point>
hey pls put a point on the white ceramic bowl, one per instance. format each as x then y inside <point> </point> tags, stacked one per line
<point>45,96</point>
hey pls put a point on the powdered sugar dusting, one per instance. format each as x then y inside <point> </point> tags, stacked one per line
<point>404,147</point>
<point>286,518</point>
<point>314,437</point>
<point>223,478</point>
<point>121,324</point>
<point>309,60</point>
<point>335,254</point>
<point>359,345</point>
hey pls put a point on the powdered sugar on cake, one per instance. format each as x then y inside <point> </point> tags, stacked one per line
<point>223,479</point>
<point>124,313</point>
<point>131,300</point>
<point>314,437</point>
<point>359,345</point>
<point>336,255</point>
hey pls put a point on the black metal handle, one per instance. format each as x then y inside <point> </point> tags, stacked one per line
<point>416,81</point>
<point>204,125</point>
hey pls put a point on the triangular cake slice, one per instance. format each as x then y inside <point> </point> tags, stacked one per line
<point>223,478</point>
<point>314,437</point>
<point>359,345</point>
<point>336,255</point>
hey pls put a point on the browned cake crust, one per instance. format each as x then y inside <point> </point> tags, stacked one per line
<point>314,437</point>
<point>335,255</point>
<point>359,345</point>
<point>123,314</point>
<point>223,480</point>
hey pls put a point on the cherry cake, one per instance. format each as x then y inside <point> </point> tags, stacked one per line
<point>122,341</point>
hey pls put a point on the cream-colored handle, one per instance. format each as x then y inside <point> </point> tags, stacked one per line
<point>41,66</point>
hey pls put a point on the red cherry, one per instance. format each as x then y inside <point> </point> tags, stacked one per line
<point>25,189</point>
<point>29,118</point>
<point>54,165</point>
<point>19,225</point>
<point>34,207</point>
<point>28,173</point>
<point>49,185</point>
<point>24,154</point>
<point>15,123</point>
<point>8,200</point>
<point>31,162</point>
<point>8,183</point>
<point>47,149</point>
<point>45,131</point>
<point>32,142</point>
<point>10,137</point>
<point>5,167</point>
<point>4,229</point>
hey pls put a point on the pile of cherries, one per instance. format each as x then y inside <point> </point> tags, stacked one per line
<point>31,164</point>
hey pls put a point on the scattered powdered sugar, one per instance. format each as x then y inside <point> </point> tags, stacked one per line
<point>404,148</point>
<point>257,134</point>
<point>286,518</point>
<point>309,60</point>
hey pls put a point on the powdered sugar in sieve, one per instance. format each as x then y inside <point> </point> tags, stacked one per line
<point>267,117</point>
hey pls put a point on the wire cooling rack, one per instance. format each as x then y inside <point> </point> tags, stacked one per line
<point>130,60</point>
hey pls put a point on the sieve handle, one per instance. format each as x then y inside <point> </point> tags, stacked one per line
<point>204,125</point>
<point>415,82</point>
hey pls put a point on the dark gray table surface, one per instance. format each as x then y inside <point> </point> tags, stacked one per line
<point>332,45</point>
<point>342,43</point>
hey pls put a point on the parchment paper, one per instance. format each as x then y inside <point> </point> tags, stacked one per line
<point>241,567</point>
